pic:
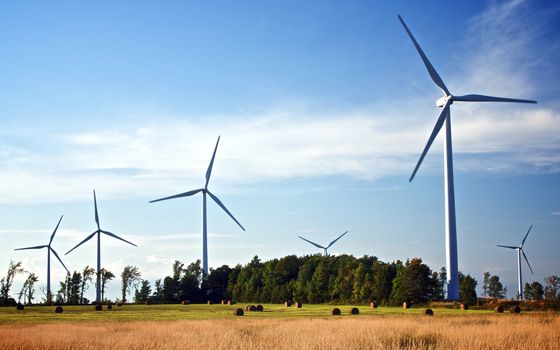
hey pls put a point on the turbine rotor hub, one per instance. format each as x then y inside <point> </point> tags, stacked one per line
<point>443,100</point>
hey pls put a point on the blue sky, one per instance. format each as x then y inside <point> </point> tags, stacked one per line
<point>323,108</point>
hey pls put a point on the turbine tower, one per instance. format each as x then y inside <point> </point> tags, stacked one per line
<point>445,118</point>
<point>98,232</point>
<point>327,247</point>
<point>519,252</point>
<point>49,250</point>
<point>204,191</point>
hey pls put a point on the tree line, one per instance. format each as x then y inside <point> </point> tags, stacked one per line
<point>307,279</point>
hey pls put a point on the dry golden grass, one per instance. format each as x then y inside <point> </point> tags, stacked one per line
<point>526,331</point>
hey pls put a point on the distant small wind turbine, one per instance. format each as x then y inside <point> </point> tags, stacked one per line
<point>98,232</point>
<point>204,191</point>
<point>49,250</point>
<point>445,117</point>
<point>328,246</point>
<point>519,252</point>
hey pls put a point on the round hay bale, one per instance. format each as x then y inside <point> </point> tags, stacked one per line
<point>515,309</point>
<point>231,302</point>
<point>187,302</point>
<point>20,307</point>
<point>58,310</point>
<point>373,305</point>
<point>335,311</point>
<point>406,305</point>
<point>464,307</point>
<point>429,312</point>
<point>287,303</point>
<point>252,308</point>
<point>354,311</point>
<point>260,308</point>
<point>499,309</point>
<point>223,302</point>
<point>210,302</point>
<point>298,305</point>
<point>238,312</point>
<point>109,307</point>
<point>98,307</point>
<point>119,304</point>
<point>247,307</point>
<point>148,302</point>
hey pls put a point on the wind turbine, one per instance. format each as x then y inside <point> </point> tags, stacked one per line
<point>519,252</point>
<point>49,250</point>
<point>445,117</point>
<point>98,232</point>
<point>327,247</point>
<point>204,191</point>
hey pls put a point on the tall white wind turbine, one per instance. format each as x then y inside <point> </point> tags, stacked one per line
<point>445,118</point>
<point>205,191</point>
<point>49,250</point>
<point>98,232</point>
<point>328,246</point>
<point>519,252</point>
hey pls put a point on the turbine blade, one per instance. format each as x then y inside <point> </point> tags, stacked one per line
<point>527,234</point>
<point>82,242</point>
<point>224,208</point>
<point>56,228</point>
<point>96,213</point>
<point>315,244</point>
<point>186,194</point>
<point>209,170</point>
<point>527,260</point>
<point>484,98</point>
<point>431,70</point>
<point>117,237</point>
<point>58,257</point>
<point>339,237</point>
<point>506,246</point>
<point>35,247</point>
<point>439,123</point>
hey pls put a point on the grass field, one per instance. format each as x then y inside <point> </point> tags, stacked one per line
<point>277,327</point>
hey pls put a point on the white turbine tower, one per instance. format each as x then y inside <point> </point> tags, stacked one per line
<point>328,246</point>
<point>98,232</point>
<point>445,117</point>
<point>204,191</point>
<point>49,250</point>
<point>519,252</point>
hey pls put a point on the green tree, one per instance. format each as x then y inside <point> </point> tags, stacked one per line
<point>62,295</point>
<point>158,292</point>
<point>215,284</point>
<point>551,288</point>
<point>74,287</point>
<point>533,291</point>
<point>130,277</point>
<point>105,276</point>
<point>495,288</point>
<point>467,289</point>
<point>412,283</point>
<point>486,283</point>
<point>28,288</point>
<point>143,294</point>
<point>87,276</point>
<point>6,282</point>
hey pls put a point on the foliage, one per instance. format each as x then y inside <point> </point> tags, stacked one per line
<point>495,288</point>
<point>130,277</point>
<point>467,289</point>
<point>533,291</point>
<point>413,283</point>
<point>106,276</point>
<point>552,287</point>
<point>143,294</point>
<point>87,276</point>
<point>6,282</point>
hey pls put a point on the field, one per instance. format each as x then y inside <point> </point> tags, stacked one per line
<point>277,327</point>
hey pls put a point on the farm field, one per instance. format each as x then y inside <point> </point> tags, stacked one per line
<point>277,327</point>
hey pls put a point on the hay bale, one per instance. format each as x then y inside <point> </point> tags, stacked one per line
<point>406,305</point>
<point>98,307</point>
<point>252,308</point>
<point>148,302</point>
<point>210,302</point>
<point>222,302</point>
<point>373,305</point>
<point>119,304</point>
<point>499,309</point>
<point>354,311</point>
<point>298,305</point>
<point>247,307</point>
<point>428,312</point>
<point>464,307</point>
<point>335,311</point>
<point>231,302</point>
<point>109,307</point>
<point>20,307</point>
<point>287,303</point>
<point>238,312</point>
<point>58,310</point>
<point>187,302</point>
<point>260,308</point>
<point>515,309</point>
